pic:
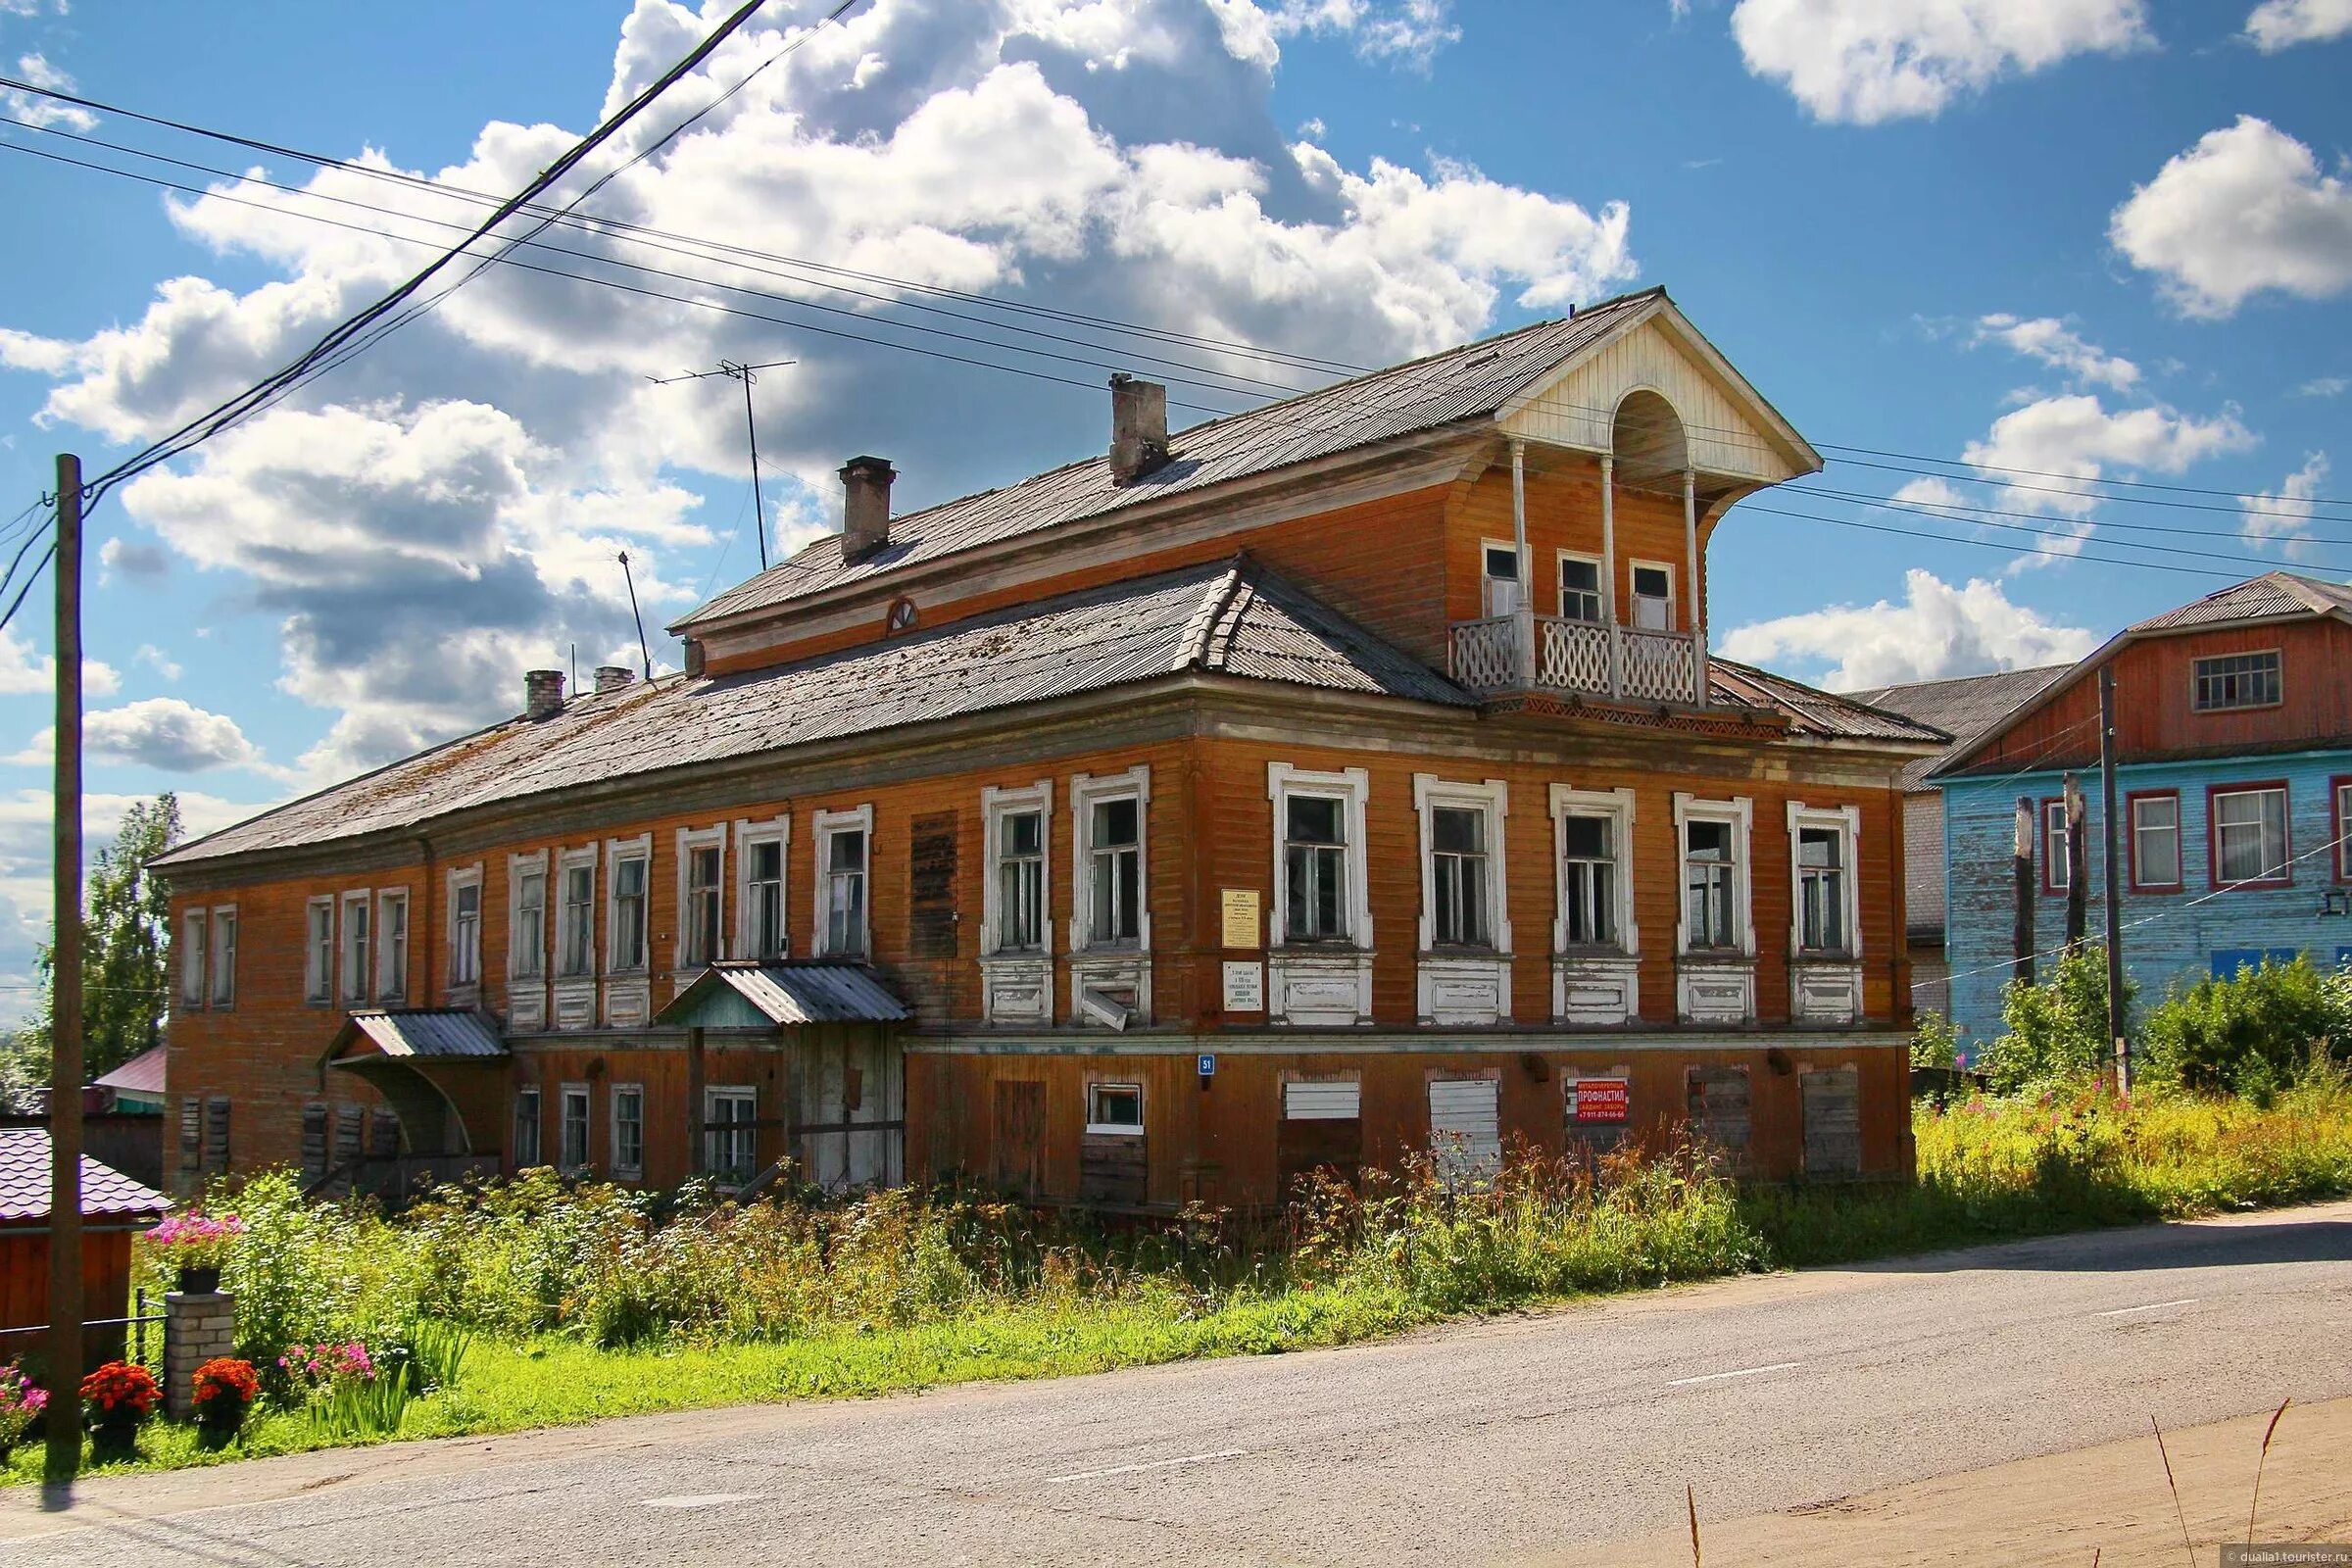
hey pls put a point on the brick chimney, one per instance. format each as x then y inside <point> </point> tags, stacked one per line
<point>542,694</point>
<point>865,506</point>
<point>613,678</point>
<point>1139,427</point>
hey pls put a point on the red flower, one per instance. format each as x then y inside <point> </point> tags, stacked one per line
<point>229,1380</point>
<point>122,1385</point>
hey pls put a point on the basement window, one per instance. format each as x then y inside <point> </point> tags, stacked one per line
<point>1117,1109</point>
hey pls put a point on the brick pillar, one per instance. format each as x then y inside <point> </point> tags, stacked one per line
<point>197,1327</point>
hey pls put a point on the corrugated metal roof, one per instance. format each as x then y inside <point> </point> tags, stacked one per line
<point>1426,394</point>
<point>142,1074</point>
<point>25,1182</point>
<point>1963,707</point>
<point>1231,617</point>
<point>1812,711</point>
<point>815,991</point>
<point>2268,597</point>
<point>442,1032</point>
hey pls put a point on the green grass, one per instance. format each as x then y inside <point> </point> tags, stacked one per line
<point>900,1292</point>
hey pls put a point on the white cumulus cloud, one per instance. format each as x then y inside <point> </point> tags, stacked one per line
<point>2277,24</point>
<point>158,732</point>
<point>2059,446</point>
<point>2283,517</point>
<point>2245,211</point>
<point>1871,61</point>
<point>23,674</point>
<point>2060,347</point>
<point>1938,631</point>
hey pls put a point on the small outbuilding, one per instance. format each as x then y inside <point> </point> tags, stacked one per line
<point>114,1208</point>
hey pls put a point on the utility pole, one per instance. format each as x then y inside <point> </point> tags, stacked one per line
<point>2115,888</point>
<point>65,994</point>
<point>2020,877</point>
<point>2078,864</point>
<point>734,371</point>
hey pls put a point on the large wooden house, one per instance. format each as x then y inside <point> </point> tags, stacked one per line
<point>1341,778</point>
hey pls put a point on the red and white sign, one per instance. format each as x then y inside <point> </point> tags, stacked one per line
<point>1601,1100</point>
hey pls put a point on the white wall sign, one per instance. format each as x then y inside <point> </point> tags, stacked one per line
<point>1244,986</point>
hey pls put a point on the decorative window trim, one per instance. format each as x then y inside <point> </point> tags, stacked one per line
<point>1086,791</point>
<point>633,1169</point>
<point>1350,787</point>
<point>617,851</point>
<point>1846,822</point>
<point>392,966</point>
<point>195,962</point>
<point>346,989</point>
<point>2139,883</point>
<point>2053,842</point>
<point>822,825</point>
<point>996,804</point>
<point>1559,558</point>
<point>1739,812</point>
<point>1674,594</point>
<point>587,1102</point>
<point>750,835</point>
<point>1618,805</point>
<point>691,839</point>
<point>317,972</point>
<point>2339,823</point>
<point>568,861</point>
<point>462,877</point>
<point>220,979</point>
<point>519,941</point>
<point>1492,799</point>
<point>2213,835</point>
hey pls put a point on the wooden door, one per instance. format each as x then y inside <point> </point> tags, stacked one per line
<point>1833,1114</point>
<point>1019,1146</point>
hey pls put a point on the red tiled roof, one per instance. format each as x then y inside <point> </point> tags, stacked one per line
<point>25,1182</point>
<point>142,1074</point>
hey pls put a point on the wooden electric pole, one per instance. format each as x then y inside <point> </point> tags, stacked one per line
<point>65,1000</point>
<point>2078,864</point>
<point>2020,877</point>
<point>2111,827</point>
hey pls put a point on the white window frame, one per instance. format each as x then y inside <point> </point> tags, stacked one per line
<point>750,835</point>
<point>391,950</point>
<point>350,988</point>
<point>2341,823</point>
<point>537,1124</point>
<point>2058,865</point>
<point>1491,800</point>
<point>1486,579</point>
<point>195,945</point>
<point>823,826</point>
<point>1086,791</point>
<point>1116,1129</point>
<point>2269,876</point>
<point>996,804</point>
<point>465,968</point>
<point>220,956</point>
<point>712,1094</point>
<point>1617,806</point>
<point>622,1166</point>
<point>2139,858</point>
<point>1846,822</point>
<point>521,941</point>
<point>1601,587</point>
<point>617,850</point>
<point>1633,600</point>
<point>319,968</point>
<point>1350,787</point>
<point>691,840</point>
<point>566,862</point>
<point>564,1098</point>
<point>1739,812</point>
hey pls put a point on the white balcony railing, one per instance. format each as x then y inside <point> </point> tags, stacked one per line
<point>1549,653</point>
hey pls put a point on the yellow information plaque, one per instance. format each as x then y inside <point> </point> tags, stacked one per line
<point>1240,917</point>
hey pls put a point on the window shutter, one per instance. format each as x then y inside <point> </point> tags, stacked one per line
<point>216,1134</point>
<point>313,1142</point>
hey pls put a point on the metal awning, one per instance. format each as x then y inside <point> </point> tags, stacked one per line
<point>760,995</point>
<point>439,1033</point>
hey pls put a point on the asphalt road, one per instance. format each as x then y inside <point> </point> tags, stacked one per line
<point>1494,1441</point>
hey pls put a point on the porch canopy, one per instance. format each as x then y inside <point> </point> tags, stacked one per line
<point>743,993</point>
<point>443,1071</point>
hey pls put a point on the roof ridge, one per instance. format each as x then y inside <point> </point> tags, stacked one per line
<point>1193,648</point>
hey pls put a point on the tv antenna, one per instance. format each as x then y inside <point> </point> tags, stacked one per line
<point>735,370</point>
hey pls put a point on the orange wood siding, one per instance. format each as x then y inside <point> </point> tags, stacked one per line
<point>1564,512</point>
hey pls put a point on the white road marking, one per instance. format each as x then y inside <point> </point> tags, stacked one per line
<point>1743,1372</point>
<point>1150,1464</point>
<point>701,1499</point>
<point>2152,1306</point>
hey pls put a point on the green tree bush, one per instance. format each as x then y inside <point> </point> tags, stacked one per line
<point>2055,1032</point>
<point>2250,1034</point>
<point>125,949</point>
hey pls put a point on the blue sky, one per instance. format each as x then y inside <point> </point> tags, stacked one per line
<point>2105,237</point>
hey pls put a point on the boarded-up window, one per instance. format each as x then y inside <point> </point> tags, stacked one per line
<point>1833,1112</point>
<point>191,1133</point>
<point>1322,1129</point>
<point>347,1137</point>
<point>384,1133</point>
<point>1114,1168</point>
<point>313,1142</point>
<point>1465,1128</point>
<point>1020,1145</point>
<point>216,1134</point>
<point>1718,1109</point>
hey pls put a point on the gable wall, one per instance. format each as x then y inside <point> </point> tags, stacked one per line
<point>1564,512</point>
<point>1579,410</point>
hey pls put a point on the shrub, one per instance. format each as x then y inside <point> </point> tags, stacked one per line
<point>2055,1032</point>
<point>1934,1042</point>
<point>21,1402</point>
<point>2249,1034</point>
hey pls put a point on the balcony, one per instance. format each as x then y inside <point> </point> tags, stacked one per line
<point>1528,652</point>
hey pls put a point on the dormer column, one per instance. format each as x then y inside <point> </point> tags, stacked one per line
<point>1608,573</point>
<point>1698,622</point>
<point>1524,617</point>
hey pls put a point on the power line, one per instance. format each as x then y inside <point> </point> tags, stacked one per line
<point>1969,511</point>
<point>1994,544</point>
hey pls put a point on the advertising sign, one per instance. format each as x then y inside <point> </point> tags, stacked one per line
<point>1601,1100</point>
